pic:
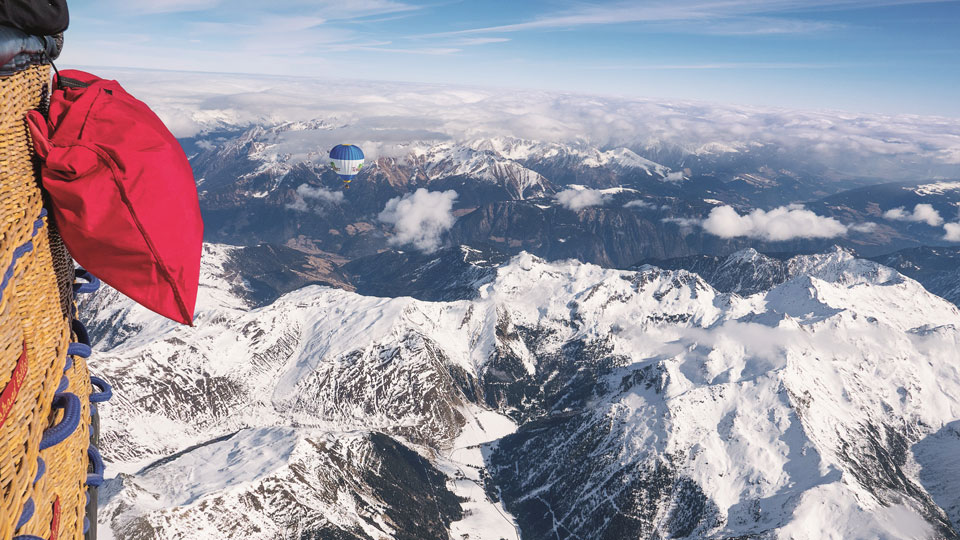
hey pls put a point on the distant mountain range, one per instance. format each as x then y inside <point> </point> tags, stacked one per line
<point>579,358</point>
<point>267,185</point>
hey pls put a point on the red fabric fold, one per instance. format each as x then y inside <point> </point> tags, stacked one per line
<point>123,194</point>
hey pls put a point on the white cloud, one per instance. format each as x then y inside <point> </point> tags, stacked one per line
<point>639,203</point>
<point>383,48</point>
<point>676,176</point>
<point>164,6</point>
<point>713,16</point>
<point>420,218</point>
<point>924,213</point>
<point>952,232</point>
<point>222,9</point>
<point>683,222</point>
<point>481,41</point>
<point>299,205</point>
<point>867,227</point>
<point>305,192</point>
<point>779,224</point>
<point>319,193</point>
<point>394,116</point>
<point>578,199</point>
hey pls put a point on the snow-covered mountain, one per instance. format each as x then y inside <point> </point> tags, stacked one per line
<point>262,156</point>
<point>747,271</point>
<point>564,400</point>
<point>273,184</point>
<point>577,160</point>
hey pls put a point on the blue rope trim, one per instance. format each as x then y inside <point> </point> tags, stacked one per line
<point>28,509</point>
<point>41,468</point>
<point>81,331</point>
<point>55,435</point>
<point>91,285</point>
<point>96,477</point>
<point>79,349</point>
<point>105,393</point>
<point>20,251</point>
<point>68,402</point>
<point>82,349</point>
<point>8,275</point>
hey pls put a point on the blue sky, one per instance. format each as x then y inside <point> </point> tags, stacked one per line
<point>889,56</point>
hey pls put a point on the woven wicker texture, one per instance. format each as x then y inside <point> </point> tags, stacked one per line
<point>63,482</point>
<point>63,267</point>
<point>31,317</point>
<point>62,261</point>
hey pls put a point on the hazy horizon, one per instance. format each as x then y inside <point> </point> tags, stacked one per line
<point>892,57</point>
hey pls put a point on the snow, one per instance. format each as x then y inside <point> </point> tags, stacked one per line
<point>245,457</point>
<point>823,504</point>
<point>935,188</point>
<point>937,460</point>
<point>716,148</point>
<point>766,403</point>
<point>522,150</point>
<point>448,159</point>
<point>617,190</point>
<point>624,158</point>
<point>482,518</point>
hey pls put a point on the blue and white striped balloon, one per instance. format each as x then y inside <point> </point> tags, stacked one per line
<point>346,160</point>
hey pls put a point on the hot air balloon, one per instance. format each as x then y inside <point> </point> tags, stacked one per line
<point>346,160</point>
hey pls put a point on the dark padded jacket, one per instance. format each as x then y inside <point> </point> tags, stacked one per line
<point>37,17</point>
<point>19,49</point>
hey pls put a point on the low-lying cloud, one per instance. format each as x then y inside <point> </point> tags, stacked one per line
<point>319,193</point>
<point>777,225</point>
<point>306,192</point>
<point>922,213</point>
<point>578,199</point>
<point>639,203</point>
<point>951,232</point>
<point>867,227</point>
<point>386,118</point>
<point>925,213</point>
<point>420,218</point>
<point>683,222</point>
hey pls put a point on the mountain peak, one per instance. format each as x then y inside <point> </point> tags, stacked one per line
<point>696,400</point>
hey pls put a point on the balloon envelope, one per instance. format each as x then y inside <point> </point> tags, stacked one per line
<point>346,160</point>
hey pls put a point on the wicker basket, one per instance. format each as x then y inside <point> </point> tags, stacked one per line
<point>34,340</point>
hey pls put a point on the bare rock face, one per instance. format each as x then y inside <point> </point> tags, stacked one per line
<point>610,235</point>
<point>937,268</point>
<point>454,273</point>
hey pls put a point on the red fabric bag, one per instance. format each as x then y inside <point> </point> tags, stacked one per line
<point>123,194</point>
